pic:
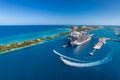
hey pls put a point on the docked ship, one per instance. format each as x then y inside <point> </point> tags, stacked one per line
<point>78,38</point>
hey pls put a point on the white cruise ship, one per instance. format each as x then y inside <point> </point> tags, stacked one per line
<point>78,38</point>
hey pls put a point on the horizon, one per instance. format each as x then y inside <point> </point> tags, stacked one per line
<point>57,25</point>
<point>59,12</point>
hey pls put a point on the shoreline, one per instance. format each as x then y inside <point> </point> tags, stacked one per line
<point>28,43</point>
<point>20,48</point>
<point>48,38</point>
<point>24,47</point>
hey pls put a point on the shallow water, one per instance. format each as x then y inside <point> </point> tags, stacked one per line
<point>20,33</point>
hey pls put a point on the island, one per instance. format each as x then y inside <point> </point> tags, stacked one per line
<point>27,43</point>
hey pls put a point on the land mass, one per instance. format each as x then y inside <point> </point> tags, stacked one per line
<point>27,43</point>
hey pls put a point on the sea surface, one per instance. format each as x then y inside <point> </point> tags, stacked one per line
<point>39,62</point>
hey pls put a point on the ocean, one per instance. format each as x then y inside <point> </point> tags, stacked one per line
<point>39,62</point>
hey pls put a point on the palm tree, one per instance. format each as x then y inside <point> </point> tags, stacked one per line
<point>14,45</point>
<point>3,48</point>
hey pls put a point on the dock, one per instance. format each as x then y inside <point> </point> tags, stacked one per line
<point>100,43</point>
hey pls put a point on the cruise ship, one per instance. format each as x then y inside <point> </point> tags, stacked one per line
<point>78,38</point>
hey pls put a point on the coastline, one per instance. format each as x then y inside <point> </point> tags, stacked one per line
<point>20,48</point>
<point>28,43</point>
<point>24,47</point>
<point>48,38</point>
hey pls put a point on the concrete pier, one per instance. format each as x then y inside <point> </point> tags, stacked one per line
<point>99,44</point>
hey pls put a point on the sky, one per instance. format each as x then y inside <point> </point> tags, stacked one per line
<point>54,12</point>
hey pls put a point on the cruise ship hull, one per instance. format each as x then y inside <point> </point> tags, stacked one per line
<point>79,43</point>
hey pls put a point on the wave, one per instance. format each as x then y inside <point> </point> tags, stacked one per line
<point>61,55</point>
<point>90,64</point>
<point>67,60</point>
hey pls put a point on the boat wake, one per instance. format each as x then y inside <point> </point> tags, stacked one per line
<point>81,63</point>
<point>90,64</point>
<point>73,59</point>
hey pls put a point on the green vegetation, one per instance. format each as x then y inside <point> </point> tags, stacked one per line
<point>17,45</point>
<point>88,28</point>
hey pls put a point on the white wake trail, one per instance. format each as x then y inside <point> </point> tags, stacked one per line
<point>71,61</point>
<point>61,55</point>
<point>90,64</point>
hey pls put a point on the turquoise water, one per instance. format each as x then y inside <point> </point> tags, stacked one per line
<point>40,63</point>
<point>27,33</point>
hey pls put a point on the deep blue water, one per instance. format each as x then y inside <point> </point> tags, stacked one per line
<point>40,63</point>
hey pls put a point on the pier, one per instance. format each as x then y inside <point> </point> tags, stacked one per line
<point>101,42</point>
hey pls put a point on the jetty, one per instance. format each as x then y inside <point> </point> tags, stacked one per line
<point>100,43</point>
